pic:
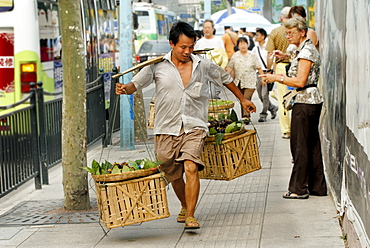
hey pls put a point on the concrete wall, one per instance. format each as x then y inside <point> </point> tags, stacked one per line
<point>343,27</point>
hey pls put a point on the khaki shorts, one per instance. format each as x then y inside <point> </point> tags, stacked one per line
<point>174,150</point>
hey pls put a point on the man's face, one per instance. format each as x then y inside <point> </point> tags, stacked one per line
<point>183,49</point>
<point>259,37</point>
<point>208,29</point>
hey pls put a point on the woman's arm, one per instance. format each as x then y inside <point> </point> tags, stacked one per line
<point>304,67</point>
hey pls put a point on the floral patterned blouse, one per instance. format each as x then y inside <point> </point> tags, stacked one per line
<point>245,67</point>
<point>308,51</point>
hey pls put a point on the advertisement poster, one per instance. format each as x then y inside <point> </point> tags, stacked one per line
<point>6,60</point>
<point>277,6</point>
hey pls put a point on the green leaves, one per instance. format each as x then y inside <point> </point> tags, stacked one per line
<point>218,138</point>
<point>233,116</point>
<point>108,168</point>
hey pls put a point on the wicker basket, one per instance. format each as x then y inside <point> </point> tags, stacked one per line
<point>132,201</point>
<point>236,156</point>
<point>124,175</point>
<point>151,117</point>
<point>215,114</point>
<point>215,108</point>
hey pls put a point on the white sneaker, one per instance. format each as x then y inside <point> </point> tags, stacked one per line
<point>286,136</point>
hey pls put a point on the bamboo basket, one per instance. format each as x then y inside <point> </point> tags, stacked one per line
<point>236,156</point>
<point>216,113</point>
<point>132,201</point>
<point>124,175</point>
<point>214,108</point>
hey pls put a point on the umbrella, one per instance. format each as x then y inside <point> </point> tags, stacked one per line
<point>220,15</point>
<point>249,20</point>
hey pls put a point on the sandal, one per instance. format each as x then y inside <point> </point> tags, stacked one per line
<point>288,195</point>
<point>191,223</point>
<point>182,216</point>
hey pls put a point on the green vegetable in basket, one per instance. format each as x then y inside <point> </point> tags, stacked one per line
<point>218,138</point>
<point>231,128</point>
<point>233,116</point>
<point>133,165</point>
<point>95,167</point>
<point>212,131</point>
<point>124,169</point>
<point>221,116</point>
<point>115,169</point>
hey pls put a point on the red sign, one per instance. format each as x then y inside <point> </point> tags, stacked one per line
<point>7,61</point>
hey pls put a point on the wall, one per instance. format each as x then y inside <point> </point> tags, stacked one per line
<point>343,27</point>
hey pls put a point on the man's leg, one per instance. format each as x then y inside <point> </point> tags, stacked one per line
<point>192,186</point>
<point>261,92</point>
<point>188,192</point>
<point>179,188</point>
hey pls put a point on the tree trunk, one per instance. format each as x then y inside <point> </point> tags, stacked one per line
<point>75,184</point>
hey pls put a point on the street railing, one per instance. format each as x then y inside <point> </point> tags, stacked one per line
<point>30,138</point>
<point>19,160</point>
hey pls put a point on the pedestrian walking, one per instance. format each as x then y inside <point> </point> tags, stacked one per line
<point>242,67</point>
<point>308,173</point>
<point>182,99</point>
<point>278,41</point>
<point>229,38</point>
<point>263,90</point>
<point>210,40</point>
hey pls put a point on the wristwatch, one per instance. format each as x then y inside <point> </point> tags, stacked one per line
<point>282,79</point>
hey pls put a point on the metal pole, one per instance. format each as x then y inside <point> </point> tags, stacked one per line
<point>35,141</point>
<point>42,134</point>
<point>127,102</point>
<point>207,9</point>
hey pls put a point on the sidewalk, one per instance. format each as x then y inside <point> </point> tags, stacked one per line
<point>248,211</point>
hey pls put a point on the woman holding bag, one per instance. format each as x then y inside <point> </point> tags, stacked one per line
<point>307,176</point>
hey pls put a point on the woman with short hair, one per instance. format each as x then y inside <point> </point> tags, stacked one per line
<point>307,176</point>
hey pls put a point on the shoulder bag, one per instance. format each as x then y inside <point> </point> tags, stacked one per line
<point>270,86</point>
<point>289,98</point>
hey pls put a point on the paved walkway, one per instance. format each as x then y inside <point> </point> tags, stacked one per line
<point>248,211</point>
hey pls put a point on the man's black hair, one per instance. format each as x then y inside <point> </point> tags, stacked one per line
<point>179,28</point>
<point>199,33</point>
<point>262,32</point>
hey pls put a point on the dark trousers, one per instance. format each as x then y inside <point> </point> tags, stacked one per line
<point>308,170</point>
<point>264,96</point>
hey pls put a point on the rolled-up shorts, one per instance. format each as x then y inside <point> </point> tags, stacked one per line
<point>173,151</point>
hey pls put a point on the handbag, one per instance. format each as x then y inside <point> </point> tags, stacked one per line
<point>289,98</point>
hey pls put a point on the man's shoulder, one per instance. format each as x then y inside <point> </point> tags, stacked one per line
<point>277,30</point>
